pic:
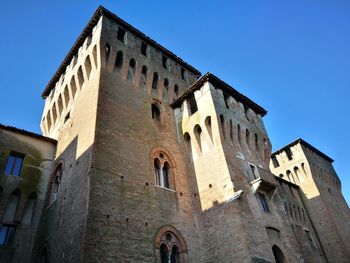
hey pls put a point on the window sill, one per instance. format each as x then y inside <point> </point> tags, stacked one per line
<point>167,189</point>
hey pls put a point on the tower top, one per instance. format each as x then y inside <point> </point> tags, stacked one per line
<point>101,11</point>
<point>307,145</point>
<point>218,83</point>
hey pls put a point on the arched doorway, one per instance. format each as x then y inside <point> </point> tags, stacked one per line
<point>277,253</point>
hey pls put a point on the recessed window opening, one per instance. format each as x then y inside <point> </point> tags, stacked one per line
<point>48,118</point>
<point>144,48</point>
<point>183,74</point>
<point>29,209</point>
<point>66,96</point>
<point>60,104</point>
<point>155,112</point>
<point>94,54</point>
<point>131,70</point>
<point>246,112</point>
<point>73,87</point>
<point>289,154</point>
<point>247,137</point>
<point>257,145</point>
<point>239,134</point>
<point>275,161</point>
<point>119,61</point>
<point>55,183</point>
<point>309,237</point>
<point>198,132</point>
<point>226,97</point>
<point>176,90</point>
<point>162,173</point>
<point>107,53</point>
<point>165,62</point>
<point>231,131</point>
<point>187,141</point>
<point>88,67</point>
<point>192,104</point>
<point>121,34</point>
<point>166,90</point>
<point>263,202</point>
<point>66,118</point>
<point>14,164</point>
<point>54,112</point>
<point>143,79</point>
<point>80,77</point>
<point>155,83</point>
<point>254,171</point>
<point>208,126</point>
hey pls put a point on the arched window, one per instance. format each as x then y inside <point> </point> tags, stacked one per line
<point>166,89</point>
<point>257,148</point>
<point>231,131</point>
<point>187,140</point>
<point>277,253</point>
<point>8,227</point>
<point>80,77</point>
<point>73,87</point>
<point>176,90</point>
<point>239,134</point>
<point>87,66</point>
<point>208,126</point>
<point>297,174</point>
<point>143,79</point>
<point>60,104</point>
<point>155,83</point>
<point>118,61</point>
<point>170,246</point>
<point>131,70</point>
<point>107,53</point>
<point>247,137</point>
<point>66,96</point>
<point>29,209</point>
<point>222,122</point>
<point>94,54</point>
<point>55,183</point>
<point>162,171</point>
<point>155,112</point>
<point>198,132</point>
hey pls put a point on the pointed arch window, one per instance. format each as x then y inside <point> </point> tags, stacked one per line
<point>155,83</point>
<point>162,172</point>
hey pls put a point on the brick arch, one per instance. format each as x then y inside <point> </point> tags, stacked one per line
<point>156,150</point>
<point>179,242</point>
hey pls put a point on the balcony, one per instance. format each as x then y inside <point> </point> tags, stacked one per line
<point>262,180</point>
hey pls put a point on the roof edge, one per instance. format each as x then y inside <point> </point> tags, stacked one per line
<point>306,144</point>
<point>28,133</point>
<point>100,11</point>
<point>209,77</point>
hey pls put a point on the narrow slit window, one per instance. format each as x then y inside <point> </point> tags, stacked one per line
<point>183,74</point>
<point>176,90</point>
<point>143,79</point>
<point>107,53</point>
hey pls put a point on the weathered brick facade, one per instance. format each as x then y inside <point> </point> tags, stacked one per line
<point>157,164</point>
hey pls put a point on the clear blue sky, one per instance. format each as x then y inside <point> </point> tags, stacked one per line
<point>292,57</point>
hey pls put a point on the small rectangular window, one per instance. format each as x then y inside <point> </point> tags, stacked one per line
<point>165,62</point>
<point>263,202</point>
<point>121,34</point>
<point>192,104</point>
<point>144,48</point>
<point>14,164</point>
<point>275,161</point>
<point>289,154</point>
<point>7,234</point>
